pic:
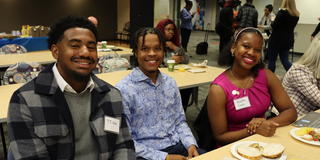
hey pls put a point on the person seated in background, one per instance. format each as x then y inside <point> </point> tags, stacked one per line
<point>267,19</point>
<point>173,47</point>
<point>302,81</point>
<point>175,51</point>
<point>240,96</point>
<point>94,20</point>
<point>67,112</point>
<point>152,104</point>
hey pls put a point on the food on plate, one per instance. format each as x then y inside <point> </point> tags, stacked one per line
<point>272,150</point>
<point>304,130</point>
<point>251,153</point>
<point>307,137</point>
<point>310,134</point>
<point>256,151</point>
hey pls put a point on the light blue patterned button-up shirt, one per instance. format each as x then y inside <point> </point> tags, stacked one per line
<point>154,114</point>
<point>186,19</point>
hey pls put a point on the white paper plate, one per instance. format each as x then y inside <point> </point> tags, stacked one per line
<point>196,70</point>
<point>234,152</point>
<point>184,66</point>
<point>293,134</point>
<point>104,50</point>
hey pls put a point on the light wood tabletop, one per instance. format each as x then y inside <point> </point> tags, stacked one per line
<point>183,79</point>
<point>45,57</point>
<point>294,149</point>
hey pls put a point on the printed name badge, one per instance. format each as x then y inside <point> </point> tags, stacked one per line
<point>241,103</point>
<point>111,124</point>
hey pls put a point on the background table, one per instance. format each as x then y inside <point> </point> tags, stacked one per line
<point>183,79</point>
<point>45,57</point>
<point>30,43</point>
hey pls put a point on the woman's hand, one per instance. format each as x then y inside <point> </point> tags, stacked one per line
<point>267,128</point>
<point>254,124</point>
<point>178,59</point>
<point>171,45</point>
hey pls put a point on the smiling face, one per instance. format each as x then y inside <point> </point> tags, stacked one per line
<point>150,54</point>
<point>169,31</point>
<point>76,54</point>
<point>247,50</point>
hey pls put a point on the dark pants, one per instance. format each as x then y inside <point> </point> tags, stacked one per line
<point>176,149</point>
<point>185,35</point>
<point>224,40</point>
<point>273,55</point>
<point>185,96</point>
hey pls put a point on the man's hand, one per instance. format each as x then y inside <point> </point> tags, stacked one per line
<point>267,128</point>
<point>176,157</point>
<point>192,151</point>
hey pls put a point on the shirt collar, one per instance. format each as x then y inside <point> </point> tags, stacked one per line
<point>64,86</point>
<point>140,76</point>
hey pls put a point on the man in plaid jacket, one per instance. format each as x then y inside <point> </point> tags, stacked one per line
<point>67,112</point>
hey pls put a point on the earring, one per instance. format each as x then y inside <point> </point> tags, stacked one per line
<point>232,54</point>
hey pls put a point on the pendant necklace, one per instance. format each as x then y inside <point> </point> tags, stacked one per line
<point>243,87</point>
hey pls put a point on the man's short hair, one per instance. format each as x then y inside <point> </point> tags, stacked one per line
<point>269,7</point>
<point>57,30</point>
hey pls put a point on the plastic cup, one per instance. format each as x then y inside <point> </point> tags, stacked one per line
<point>171,64</point>
<point>104,44</point>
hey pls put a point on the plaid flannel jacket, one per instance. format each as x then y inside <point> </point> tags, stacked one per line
<point>40,125</point>
<point>303,88</point>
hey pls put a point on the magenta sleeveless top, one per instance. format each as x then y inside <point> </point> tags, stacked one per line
<point>258,95</point>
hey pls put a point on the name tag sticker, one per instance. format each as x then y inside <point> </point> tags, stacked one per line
<point>241,103</point>
<point>111,124</point>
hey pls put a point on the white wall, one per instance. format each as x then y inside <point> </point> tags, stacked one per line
<point>309,11</point>
<point>123,13</point>
<point>161,10</point>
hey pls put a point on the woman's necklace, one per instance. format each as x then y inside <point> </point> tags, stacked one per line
<point>244,87</point>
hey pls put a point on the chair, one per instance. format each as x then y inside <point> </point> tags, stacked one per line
<point>21,72</point>
<point>111,63</point>
<point>203,129</point>
<point>12,49</point>
<point>124,35</point>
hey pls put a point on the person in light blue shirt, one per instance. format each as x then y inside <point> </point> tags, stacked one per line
<point>152,104</point>
<point>186,23</point>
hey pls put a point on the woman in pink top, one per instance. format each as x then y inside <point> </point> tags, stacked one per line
<point>240,96</point>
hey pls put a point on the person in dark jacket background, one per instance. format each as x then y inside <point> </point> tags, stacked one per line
<point>247,15</point>
<point>282,36</point>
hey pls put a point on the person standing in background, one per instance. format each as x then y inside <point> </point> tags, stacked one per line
<point>282,36</point>
<point>265,25</point>
<point>186,23</point>
<point>224,27</point>
<point>247,15</point>
<point>316,31</point>
<point>267,19</point>
<point>94,20</point>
